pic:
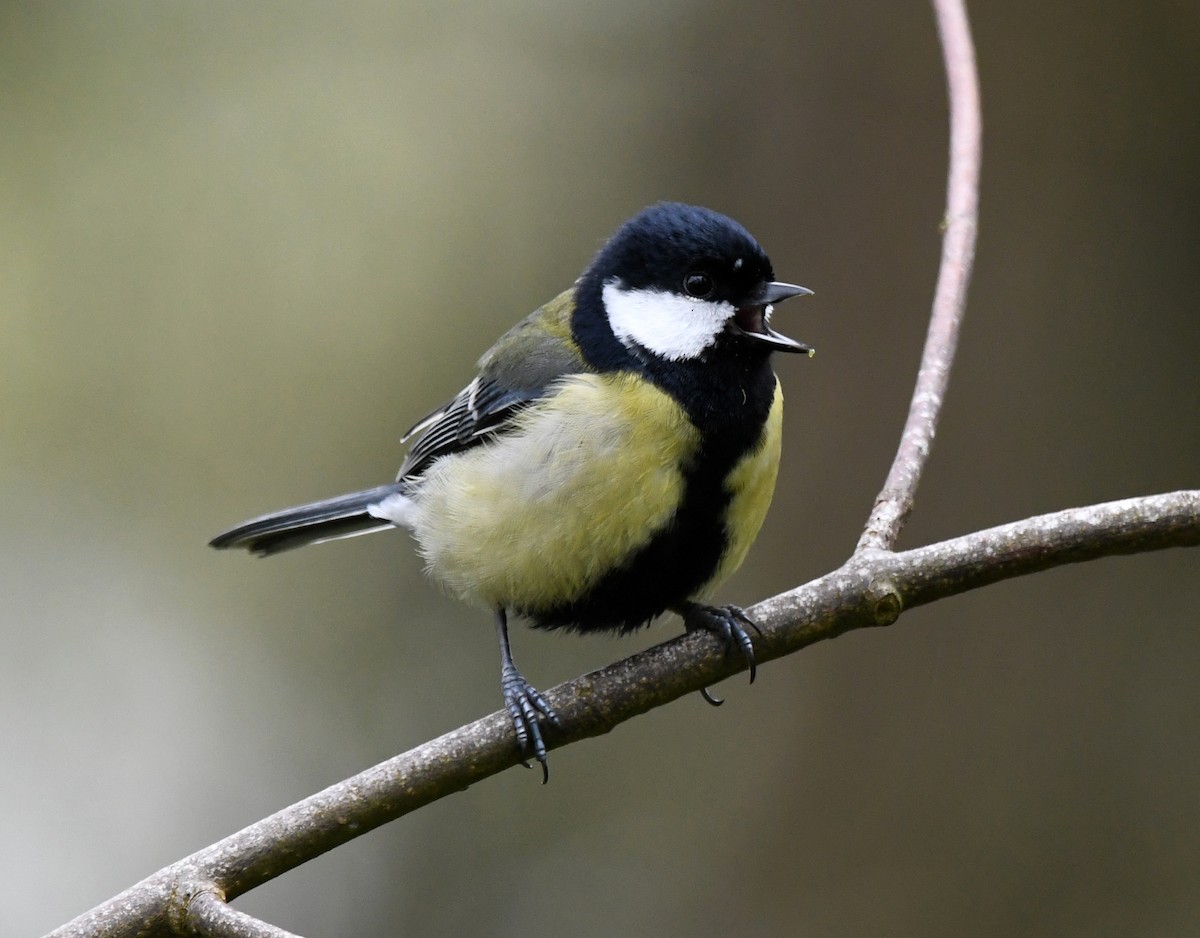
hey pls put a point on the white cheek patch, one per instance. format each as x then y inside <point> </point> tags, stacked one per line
<point>666,324</point>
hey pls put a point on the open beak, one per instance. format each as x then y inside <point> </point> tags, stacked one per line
<point>752,320</point>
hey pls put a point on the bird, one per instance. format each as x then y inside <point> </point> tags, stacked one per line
<point>612,459</point>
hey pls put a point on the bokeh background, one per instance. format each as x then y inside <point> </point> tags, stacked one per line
<point>243,246</point>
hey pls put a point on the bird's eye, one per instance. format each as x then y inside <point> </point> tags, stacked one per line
<point>698,284</point>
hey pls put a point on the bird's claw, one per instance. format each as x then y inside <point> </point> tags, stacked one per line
<point>709,697</point>
<point>727,623</point>
<point>527,708</point>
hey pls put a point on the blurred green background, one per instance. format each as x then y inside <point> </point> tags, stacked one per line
<point>244,246</point>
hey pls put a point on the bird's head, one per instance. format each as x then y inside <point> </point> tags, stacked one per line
<point>678,283</point>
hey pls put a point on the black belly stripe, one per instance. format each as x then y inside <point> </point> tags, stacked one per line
<point>683,556</point>
<point>673,565</point>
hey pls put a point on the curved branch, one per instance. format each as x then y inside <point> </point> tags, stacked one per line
<point>895,500</point>
<point>871,589</point>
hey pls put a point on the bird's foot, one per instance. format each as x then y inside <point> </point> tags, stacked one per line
<point>527,708</point>
<point>727,623</point>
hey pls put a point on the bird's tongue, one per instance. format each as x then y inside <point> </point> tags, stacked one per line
<point>750,319</point>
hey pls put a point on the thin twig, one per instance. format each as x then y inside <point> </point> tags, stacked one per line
<point>895,500</point>
<point>869,590</point>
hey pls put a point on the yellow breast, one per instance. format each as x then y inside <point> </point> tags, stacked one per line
<point>537,516</point>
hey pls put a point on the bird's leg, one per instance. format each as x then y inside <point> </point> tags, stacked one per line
<point>726,622</point>
<point>525,704</point>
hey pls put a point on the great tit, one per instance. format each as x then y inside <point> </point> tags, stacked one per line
<point>613,458</point>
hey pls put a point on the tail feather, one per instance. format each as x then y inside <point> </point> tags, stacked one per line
<point>344,516</point>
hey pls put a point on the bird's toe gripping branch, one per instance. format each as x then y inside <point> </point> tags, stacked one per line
<point>727,623</point>
<point>527,708</point>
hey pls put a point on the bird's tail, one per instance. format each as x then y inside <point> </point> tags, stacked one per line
<point>344,516</point>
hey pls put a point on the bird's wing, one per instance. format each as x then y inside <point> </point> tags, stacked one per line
<point>518,370</point>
